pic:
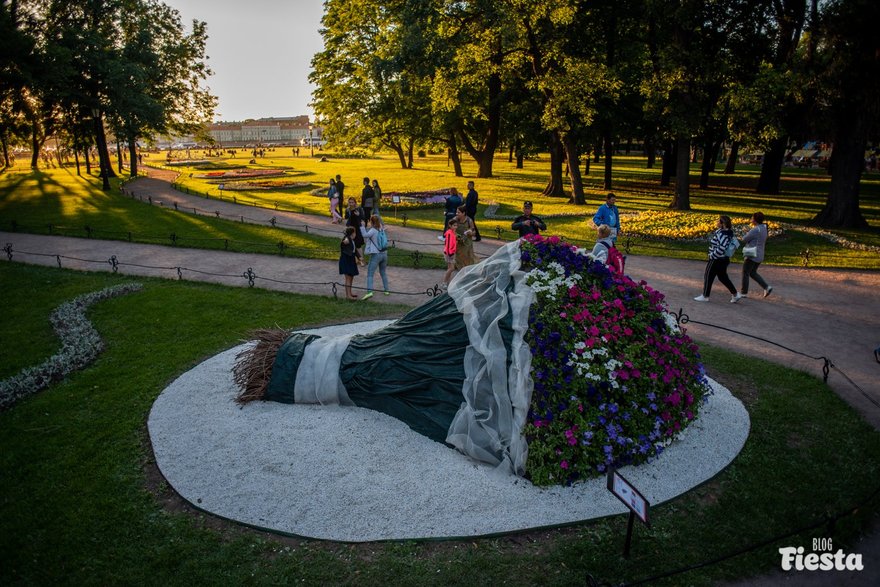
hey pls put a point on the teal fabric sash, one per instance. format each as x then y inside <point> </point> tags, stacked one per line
<point>283,379</point>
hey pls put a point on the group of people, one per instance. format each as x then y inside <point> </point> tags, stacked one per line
<point>364,223</point>
<point>723,245</point>
<point>371,196</point>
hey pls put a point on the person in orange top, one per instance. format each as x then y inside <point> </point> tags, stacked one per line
<point>450,244</point>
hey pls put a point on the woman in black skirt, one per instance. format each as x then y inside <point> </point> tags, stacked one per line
<point>347,260</point>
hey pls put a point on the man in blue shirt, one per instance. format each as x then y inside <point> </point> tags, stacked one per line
<point>608,214</point>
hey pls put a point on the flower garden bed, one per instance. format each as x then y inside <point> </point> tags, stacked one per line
<point>264,185</point>
<point>234,174</point>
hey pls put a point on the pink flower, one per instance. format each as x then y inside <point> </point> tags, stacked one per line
<point>564,464</point>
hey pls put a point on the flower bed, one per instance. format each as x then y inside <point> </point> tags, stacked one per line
<point>615,378</point>
<point>80,345</point>
<point>695,226</point>
<point>265,185</point>
<point>233,174</point>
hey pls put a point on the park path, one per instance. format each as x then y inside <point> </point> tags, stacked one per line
<point>818,312</point>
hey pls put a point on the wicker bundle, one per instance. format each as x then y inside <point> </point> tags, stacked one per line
<point>253,366</point>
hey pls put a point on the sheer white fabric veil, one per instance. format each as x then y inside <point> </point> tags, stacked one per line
<point>497,389</point>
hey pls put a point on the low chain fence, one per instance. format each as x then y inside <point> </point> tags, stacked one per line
<point>248,276</point>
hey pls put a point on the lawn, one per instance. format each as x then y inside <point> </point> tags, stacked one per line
<point>34,200</point>
<point>81,503</point>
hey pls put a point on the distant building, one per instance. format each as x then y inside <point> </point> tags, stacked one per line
<point>292,130</point>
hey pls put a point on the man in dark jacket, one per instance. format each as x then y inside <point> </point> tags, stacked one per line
<point>527,223</point>
<point>340,189</point>
<point>470,208</point>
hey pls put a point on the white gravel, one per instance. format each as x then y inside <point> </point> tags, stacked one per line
<point>355,475</point>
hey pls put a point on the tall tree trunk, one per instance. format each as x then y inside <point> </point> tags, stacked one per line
<point>36,145</point>
<point>670,158</point>
<point>651,152</point>
<point>730,167</point>
<point>409,153</point>
<point>101,142</point>
<point>555,185</point>
<point>588,154</point>
<point>510,153</point>
<point>5,150</point>
<point>519,155</point>
<point>454,155</point>
<point>771,167</point>
<point>609,149</point>
<point>132,156</point>
<point>119,156</point>
<point>573,155</point>
<point>401,156</point>
<point>706,167</point>
<point>841,209</point>
<point>682,199</point>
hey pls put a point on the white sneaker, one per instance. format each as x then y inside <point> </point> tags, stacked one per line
<point>735,298</point>
<point>768,291</point>
<point>441,238</point>
<point>701,298</point>
<point>743,295</point>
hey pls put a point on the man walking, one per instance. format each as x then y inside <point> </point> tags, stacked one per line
<point>340,189</point>
<point>470,208</point>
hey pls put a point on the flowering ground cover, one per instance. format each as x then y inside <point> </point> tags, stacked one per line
<point>233,174</point>
<point>615,377</point>
<point>673,225</point>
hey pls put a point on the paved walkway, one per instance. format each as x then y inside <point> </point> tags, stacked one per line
<point>821,313</point>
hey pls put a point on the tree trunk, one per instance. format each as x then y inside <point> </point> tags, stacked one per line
<point>707,166</point>
<point>771,167</point>
<point>730,168</point>
<point>119,157</point>
<point>651,152</point>
<point>103,154</point>
<point>841,209</point>
<point>555,186</point>
<point>401,156</point>
<point>35,147</point>
<point>682,199</point>
<point>670,156</point>
<point>609,149</point>
<point>454,155</point>
<point>5,150</point>
<point>574,171</point>
<point>519,155</point>
<point>510,153</point>
<point>132,157</point>
<point>587,163</point>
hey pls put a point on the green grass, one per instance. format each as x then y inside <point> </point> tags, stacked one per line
<point>63,199</point>
<point>32,201</point>
<point>76,507</point>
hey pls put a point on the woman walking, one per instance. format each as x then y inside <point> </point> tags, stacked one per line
<point>719,259</point>
<point>378,252</point>
<point>333,194</point>
<point>377,197</point>
<point>757,238</point>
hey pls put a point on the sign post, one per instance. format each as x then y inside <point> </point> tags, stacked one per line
<point>395,199</point>
<point>632,499</point>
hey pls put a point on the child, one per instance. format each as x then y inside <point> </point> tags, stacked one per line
<point>605,251</point>
<point>347,260</point>
<point>449,247</point>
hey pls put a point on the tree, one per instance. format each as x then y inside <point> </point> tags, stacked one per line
<point>848,55</point>
<point>371,78</point>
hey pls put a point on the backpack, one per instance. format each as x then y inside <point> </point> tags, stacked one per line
<point>382,240</point>
<point>615,259</point>
<point>732,246</point>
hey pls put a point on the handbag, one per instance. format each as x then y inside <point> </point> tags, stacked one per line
<point>750,252</point>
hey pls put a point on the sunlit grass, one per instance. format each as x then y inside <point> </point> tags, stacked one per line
<point>638,189</point>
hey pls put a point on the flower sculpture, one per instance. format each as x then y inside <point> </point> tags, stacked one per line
<point>538,360</point>
<point>615,378</point>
